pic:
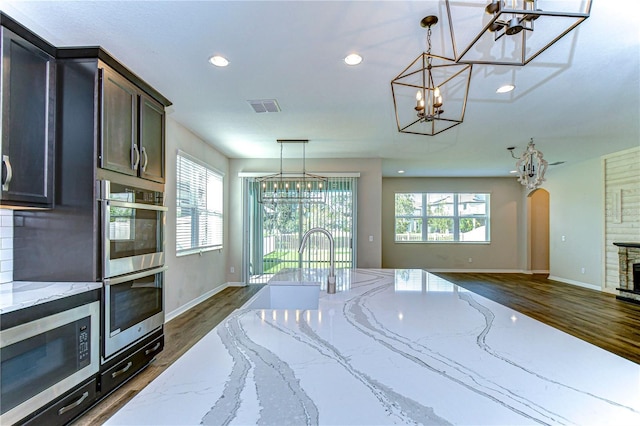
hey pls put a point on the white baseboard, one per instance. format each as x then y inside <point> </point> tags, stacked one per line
<point>538,271</point>
<point>577,283</point>
<point>478,271</point>
<point>236,284</point>
<point>184,308</point>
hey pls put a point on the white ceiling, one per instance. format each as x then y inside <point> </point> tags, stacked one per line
<point>579,99</point>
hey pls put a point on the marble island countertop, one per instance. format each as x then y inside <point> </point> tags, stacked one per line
<point>390,347</point>
<point>23,294</point>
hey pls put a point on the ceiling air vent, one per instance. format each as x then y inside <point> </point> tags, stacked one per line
<point>264,105</point>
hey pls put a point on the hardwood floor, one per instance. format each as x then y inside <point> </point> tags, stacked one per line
<point>596,317</point>
<point>180,335</point>
<point>593,316</point>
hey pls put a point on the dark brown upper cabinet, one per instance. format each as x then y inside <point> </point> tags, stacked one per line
<point>28,118</point>
<point>131,128</point>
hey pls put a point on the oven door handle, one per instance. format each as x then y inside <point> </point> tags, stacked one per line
<point>138,206</point>
<point>130,277</point>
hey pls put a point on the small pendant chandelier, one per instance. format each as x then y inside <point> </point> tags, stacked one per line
<point>292,188</point>
<point>530,166</point>
<point>426,88</point>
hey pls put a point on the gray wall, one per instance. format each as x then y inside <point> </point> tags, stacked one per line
<point>503,253</point>
<point>576,211</point>
<point>194,277</point>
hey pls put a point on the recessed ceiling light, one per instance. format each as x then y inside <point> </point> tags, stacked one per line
<point>400,171</point>
<point>353,59</point>
<point>506,88</point>
<point>219,61</point>
<point>513,171</point>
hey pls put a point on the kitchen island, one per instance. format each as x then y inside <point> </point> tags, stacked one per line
<point>390,347</point>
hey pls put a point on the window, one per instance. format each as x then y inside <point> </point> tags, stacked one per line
<point>438,217</point>
<point>199,225</point>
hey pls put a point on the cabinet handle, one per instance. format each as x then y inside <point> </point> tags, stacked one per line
<point>122,371</point>
<point>153,349</point>
<point>143,151</point>
<point>73,404</point>
<point>6,176</point>
<point>137,155</point>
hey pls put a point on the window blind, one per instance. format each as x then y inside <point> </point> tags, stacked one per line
<point>199,209</point>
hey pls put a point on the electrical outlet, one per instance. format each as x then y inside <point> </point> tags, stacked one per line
<point>564,238</point>
<point>582,270</point>
<point>470,260</point>
<point>232,270</point>
<point>370,238</point>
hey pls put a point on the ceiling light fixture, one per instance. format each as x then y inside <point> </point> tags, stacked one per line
<point>530,166</point>
<point>401,172</point>
<point>353,59</point>
<point>512,32</point>
<point>506,88</point>
<point>422,89</point>
<point>219,61</point>
<point>292,188</point>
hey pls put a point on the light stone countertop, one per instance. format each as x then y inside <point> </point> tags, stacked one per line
<point>390,347</point>
<point>23,294</point>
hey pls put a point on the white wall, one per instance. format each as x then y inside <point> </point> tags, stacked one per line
<point>622,209</point>
<point>576,210</point>
<point>503,253</point>
<point>6,246</point>
<point>192,278</point>
<point>369,254</point>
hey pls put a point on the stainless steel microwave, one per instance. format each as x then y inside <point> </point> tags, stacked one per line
<point>42,359</point>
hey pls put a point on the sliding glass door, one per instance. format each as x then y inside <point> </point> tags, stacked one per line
<point>274,231</point>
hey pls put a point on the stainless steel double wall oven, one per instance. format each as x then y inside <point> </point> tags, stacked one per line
<point>133,228</point>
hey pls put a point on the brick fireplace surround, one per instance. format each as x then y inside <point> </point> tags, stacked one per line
<point>629,255</point>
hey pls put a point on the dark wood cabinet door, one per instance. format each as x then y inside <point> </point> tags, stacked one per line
<point>152,124</point>
<point>28,113</point>
<point>119,150</point>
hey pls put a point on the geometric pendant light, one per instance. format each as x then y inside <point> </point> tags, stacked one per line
<point>511,32</point>
<point>430,94</point>
<point>292,187</point>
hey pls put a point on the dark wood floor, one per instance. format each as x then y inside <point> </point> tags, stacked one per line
<point>596,317</point>
<point>593,316</point>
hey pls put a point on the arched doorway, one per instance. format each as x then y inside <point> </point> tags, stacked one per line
<point>538,207</point>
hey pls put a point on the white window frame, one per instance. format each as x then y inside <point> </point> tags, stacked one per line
<point>206,182</point>
<point>424,217</point>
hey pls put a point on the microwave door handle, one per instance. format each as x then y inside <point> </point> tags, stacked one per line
<point>139,206</point>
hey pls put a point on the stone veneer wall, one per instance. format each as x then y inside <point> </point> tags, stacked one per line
<point>628,256</point>
<point>622,209</point>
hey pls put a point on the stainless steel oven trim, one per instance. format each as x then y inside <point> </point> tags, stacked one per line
<point>137,206</point>
<point>125,265</point>
<point>33,328</point>
<point>113,344</point>
<point>141,274</point>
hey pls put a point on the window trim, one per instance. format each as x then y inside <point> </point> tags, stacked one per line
<point>424,217</point>
<point>216,173</point>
